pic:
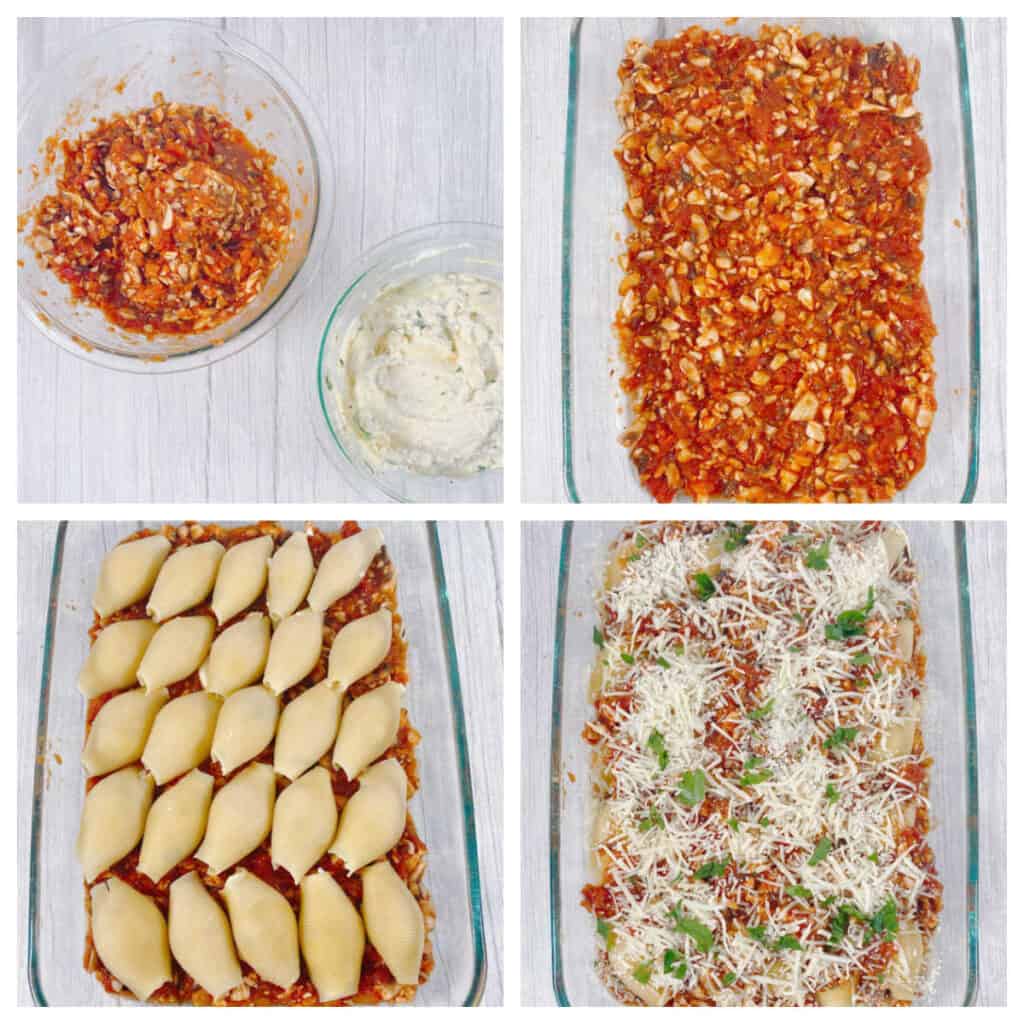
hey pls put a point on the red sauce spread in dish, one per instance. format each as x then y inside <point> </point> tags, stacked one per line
<point>774,330</point>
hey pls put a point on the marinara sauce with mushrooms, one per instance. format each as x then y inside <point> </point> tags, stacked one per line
<point>775,333</point>
<point>167,219</point>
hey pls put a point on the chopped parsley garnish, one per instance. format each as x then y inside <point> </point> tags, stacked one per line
<point>736,535</point>
<point>764,822</point>
<point>691,788</point>
<point>762,712</point>
<point>851,623</point>
<point>751,777</point>
<point>817,558</point>
<point>758,932</point>
<point>734,824</point>
<point>663,662</point>
<point>840,737</point>
<point>885,923</point>
<point>728,979</point>
<point>700,933</point>
<point>822,848</point>
<point>862,658</point>
<point>674,964</point>
<point>598,637</point>
<point>705,585</point>
<point>799,892</point>
<point>604,929</point>
<point>712,869</point>
<point>873,857</point>
<point>656,743</point>
<point>640,540</point>
<point>653,820</point>
<point>628,659</point>
<point>788,942</point>
<point>839,925</point>
<point>831,793</point>
<point>642,972</point>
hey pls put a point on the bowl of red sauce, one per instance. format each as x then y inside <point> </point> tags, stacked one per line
<point>175,195</point>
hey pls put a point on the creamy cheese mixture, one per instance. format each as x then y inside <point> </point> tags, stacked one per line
<point>423,375</point>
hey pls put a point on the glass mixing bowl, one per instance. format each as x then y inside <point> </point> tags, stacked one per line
<point>437,249</point>
<point>119,70</point>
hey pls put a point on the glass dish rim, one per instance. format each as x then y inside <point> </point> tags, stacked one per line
<point>974,342</point>
<point>307,117</point>
<point>555,789</point>
<point>467,806</point>
<point>354,273</point>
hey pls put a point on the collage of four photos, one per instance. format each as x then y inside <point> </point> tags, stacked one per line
<point>573,727</point>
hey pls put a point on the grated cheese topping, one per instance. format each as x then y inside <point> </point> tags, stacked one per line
<point>761,833</point>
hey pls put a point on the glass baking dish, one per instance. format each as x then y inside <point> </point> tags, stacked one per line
<point>595,409</point>
<point>442,809</point>
<point>940,552</point>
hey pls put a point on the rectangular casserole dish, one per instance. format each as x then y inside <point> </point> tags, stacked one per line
<point>595,409</point>
<point>939,550</point>
<point>56,926</point>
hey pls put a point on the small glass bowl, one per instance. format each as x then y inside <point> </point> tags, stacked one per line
<point>455,247</point>
<point>119,70</point>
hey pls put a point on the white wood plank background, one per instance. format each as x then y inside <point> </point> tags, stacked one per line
<point>473,566</point>
<point>413,112</point>
<point>987,555</point>
<point>545,46</point>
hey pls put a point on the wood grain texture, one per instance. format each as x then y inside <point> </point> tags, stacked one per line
<point>987,555</point>
<point>544,84</point>
<point>413,112</point>
<point>472,555</point>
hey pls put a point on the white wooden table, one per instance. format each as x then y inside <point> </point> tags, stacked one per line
<point>413,113</point>
<point>545,43</point>
<point>473,566</point>
<point>987,554</point>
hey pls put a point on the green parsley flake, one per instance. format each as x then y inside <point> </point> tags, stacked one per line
<point>691,788</point>
<point>700,933</point>
<point>840,737</point>
<point>674,964</point>
<point>642,972</point>
<point>817,558</point>
<point>736,535</point>
<point>712,869</point>
<point>822,849</point>
<point>656,743</point>
<point>704,584</point>
<point>851,623</point>
<point>653,820</point>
